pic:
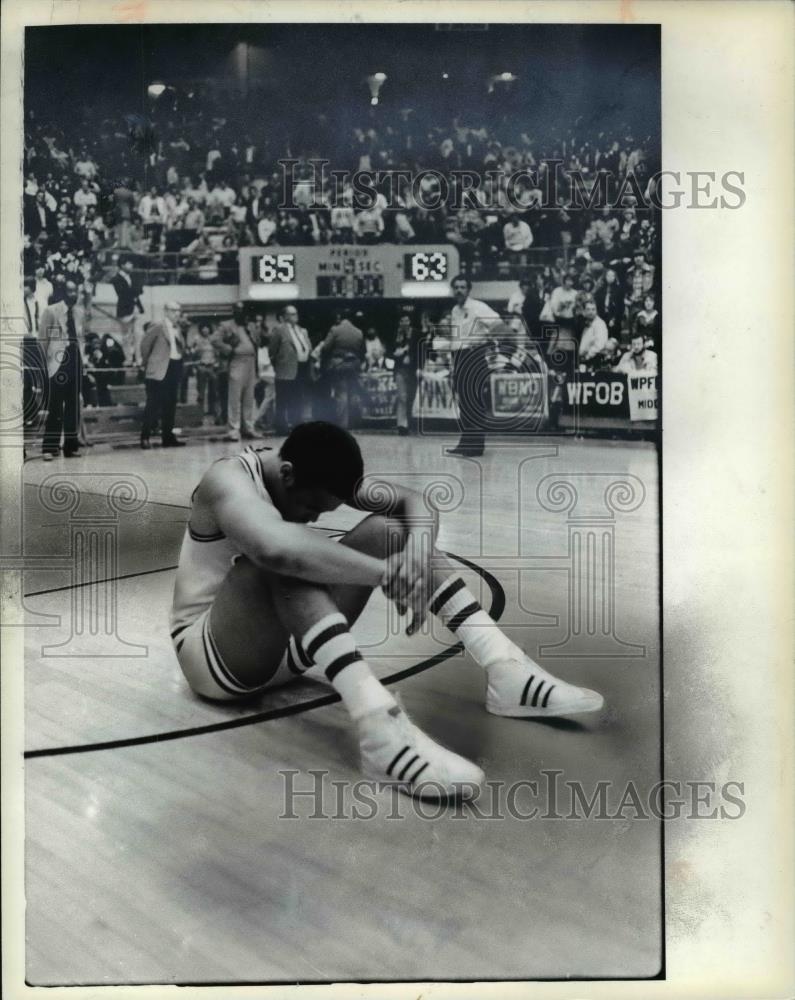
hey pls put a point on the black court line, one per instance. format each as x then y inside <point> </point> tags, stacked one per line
<point>496,610</point>
<point>92,583</point>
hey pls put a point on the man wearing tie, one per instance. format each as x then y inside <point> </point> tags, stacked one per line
<point>162,349</point>
<point>289,348</point>
<point>61,333</point>
<point>33,373</point>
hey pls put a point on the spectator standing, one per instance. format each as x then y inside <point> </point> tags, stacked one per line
<point>639,282</point>
<point>407,364</point>
<point>594,335</point>
<point>561,305</point>
<point>610,302</point>
<point>43,290</point>
<point>152,209</point>
<point>202,350</point>
<point>192,222</point>
<point>264,392</point>
<point>239,341</point>
<point>38,217</point>
<point>289,350</point>
<point>162,349</point>
<point>128,299</point>
<point>124,203</point>
<point>34,374</point>
<point>341,356</point>
<point>61,336</point>
<point>533,305</point>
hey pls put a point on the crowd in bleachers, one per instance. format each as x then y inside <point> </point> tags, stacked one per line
<point>188,185</point>
<point>170,198</point>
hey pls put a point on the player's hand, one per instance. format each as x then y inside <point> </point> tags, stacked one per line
<point>407,583</point>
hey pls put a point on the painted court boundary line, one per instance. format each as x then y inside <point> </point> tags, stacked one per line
<point>496,610</point>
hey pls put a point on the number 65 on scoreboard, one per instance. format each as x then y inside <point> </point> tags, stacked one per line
<point>279,267</point>
<point>347,271</point>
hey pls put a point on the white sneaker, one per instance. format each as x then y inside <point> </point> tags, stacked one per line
<point>522,689</point>
<point>231,436</point>
<point>394,751</point>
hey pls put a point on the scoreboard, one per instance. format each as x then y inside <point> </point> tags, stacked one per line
<point>339,271</point>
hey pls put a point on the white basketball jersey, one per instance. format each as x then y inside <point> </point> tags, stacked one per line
<point>205,560</point>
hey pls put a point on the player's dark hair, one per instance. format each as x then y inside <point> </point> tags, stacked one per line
<point>324,456</point>
<point>462,277</point>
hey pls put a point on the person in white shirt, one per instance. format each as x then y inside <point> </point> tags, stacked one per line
<point>516,301</point>
<point>83,198</point>
<point>221,199</point>
<point>85,166</point>
<point>152,209</point>
<point>44,289</point>
<point>517,235</point>
<point>368,225</point>
<point>470,324</point>
<point>342,223</point>
<point>638,358</point>
<point>594,335</point>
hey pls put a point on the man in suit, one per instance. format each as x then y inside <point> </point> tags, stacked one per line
<point>38,217</point>
<point>61,334</point>
<point>162,349</point>
<point>128,298</point>
<point>33,372</point>
<point>237,341</point>
<point>289,348</point>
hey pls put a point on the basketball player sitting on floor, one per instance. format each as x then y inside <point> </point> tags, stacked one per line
<point>259,599</point>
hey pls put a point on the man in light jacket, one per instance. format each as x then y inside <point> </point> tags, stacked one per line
<point>162,349</point>
<point>289,348</point>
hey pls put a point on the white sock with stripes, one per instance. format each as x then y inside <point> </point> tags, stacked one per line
<point>330,645</point>
<point>482,637</point>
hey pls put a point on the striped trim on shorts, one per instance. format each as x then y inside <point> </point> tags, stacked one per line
<point>204,667</point>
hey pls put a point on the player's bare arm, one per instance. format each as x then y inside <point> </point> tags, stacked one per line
<point>409,570</point>
<point>228,501</point>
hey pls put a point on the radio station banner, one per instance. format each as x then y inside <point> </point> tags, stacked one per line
<point>642,397</point>
<point>600,394</point>
<point>519,395</point>
<point>378,395</point>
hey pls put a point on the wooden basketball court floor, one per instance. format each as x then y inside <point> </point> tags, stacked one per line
<point>156,846</point>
